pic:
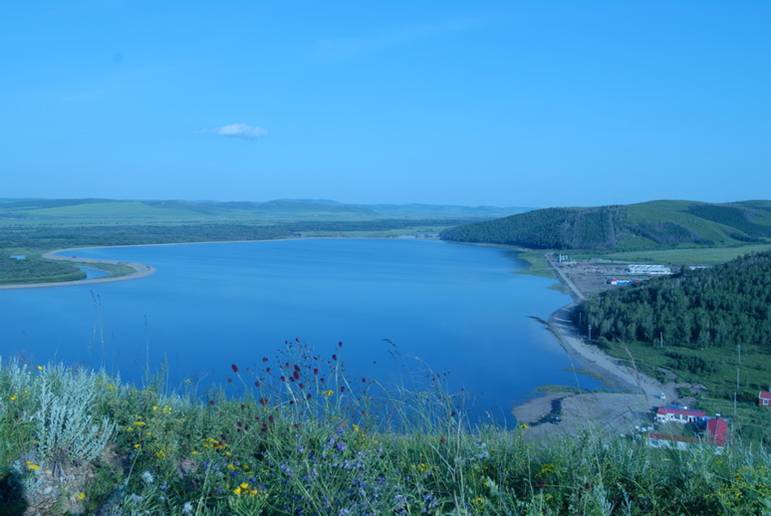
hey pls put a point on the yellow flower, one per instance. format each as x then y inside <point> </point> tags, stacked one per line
<point>139,423</point>
<point>40,368</point>
<point>231,467</point>
<point>523,426</point>
<point>244,485</point>
<point>237,491</point>
<point>328,393</point>
<point>167,409</point>
<point>253,492</point>
<point>31,466</point>
<point>422,467</point>
<point>547,469</point>
<point>137,446</point>
<point>478,501</point>
<point>160,454</point>
<point>155,408</point>
<point>356,428</point>
<point>13,397</point>
<point>80,496</point>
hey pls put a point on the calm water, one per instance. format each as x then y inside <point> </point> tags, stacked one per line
<point>459,309</point>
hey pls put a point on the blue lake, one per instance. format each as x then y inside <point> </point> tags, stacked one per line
<point>398,306</point>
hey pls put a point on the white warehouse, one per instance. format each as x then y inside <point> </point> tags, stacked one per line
<point>651,270</point>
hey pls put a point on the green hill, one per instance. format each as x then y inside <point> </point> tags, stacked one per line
<point>650,225</point>
<point>709,327</point>
<point>111,211</point>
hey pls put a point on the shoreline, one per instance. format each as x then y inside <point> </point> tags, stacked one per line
<point>142,270</point>
<point>631,388</point>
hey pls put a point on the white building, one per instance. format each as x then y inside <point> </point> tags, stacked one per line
<point>650,270</point>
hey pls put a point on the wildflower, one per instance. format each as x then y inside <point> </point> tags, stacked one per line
<point>334,357</point>
<point>244,485</point>
<point>523,426</point>
<point>139,423</point>
<point>13,397</point>
<point>31,466</point>
<point>234,367</point>
<point>187,508</point>
<point>40,368</point>
<point>137,446</point>
<point>80,496</point>
<point>422,468</point>
<point>478,501</point>
<point>296,375</point>
<point>167,409</point>
<point>237,491</point>
<point>160,454</point>
<point>231,467</point>
<point>328,393</point>
<point>155,408</point>
<point>264,359</point>
<point>147,477</point>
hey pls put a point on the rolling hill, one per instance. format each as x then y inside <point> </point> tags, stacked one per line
<point>650,225</point>
<point>110,211</point>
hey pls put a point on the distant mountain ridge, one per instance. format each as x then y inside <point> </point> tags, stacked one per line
<point>99,211</point>
<point>649,225</point>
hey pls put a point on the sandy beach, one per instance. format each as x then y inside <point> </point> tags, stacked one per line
<point>140,271</point>
<point>565,413</point>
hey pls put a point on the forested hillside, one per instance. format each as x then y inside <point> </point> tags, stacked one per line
<point>652,225</point>
<point>719,307</point>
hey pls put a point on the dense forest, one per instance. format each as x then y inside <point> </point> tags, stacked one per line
<point>652,225</point>
<point>720,307</point>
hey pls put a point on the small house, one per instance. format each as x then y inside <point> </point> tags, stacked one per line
<point>764,399</point>
<point>717,431</point>
<point>679,415</point>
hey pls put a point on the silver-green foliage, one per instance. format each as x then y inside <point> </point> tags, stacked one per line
<point>66,429</point>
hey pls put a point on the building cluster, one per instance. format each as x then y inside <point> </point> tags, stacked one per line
<point>713,430</point>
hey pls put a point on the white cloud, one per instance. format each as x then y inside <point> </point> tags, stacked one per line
<point>243,131</point>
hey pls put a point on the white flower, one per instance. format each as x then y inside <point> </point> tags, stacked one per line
<point>187,508</point>
<point>147,477</point>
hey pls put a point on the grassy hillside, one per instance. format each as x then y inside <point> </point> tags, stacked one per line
<point>646,226</point>
<point>78,442</point>
<point>691,325</point>
<point>106,211</point>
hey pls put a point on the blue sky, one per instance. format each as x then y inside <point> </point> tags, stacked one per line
<point>506,103</point>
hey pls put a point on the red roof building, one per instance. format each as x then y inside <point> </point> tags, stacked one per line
<point>764,398</point>
<point>717,431</point>
<point>679,415</point>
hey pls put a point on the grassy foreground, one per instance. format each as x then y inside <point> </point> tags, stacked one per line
<point>75,442</point>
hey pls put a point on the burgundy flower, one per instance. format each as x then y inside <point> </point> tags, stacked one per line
<point>234,367</point>
<point>264,359</point>
<point>257,383</point>
<point>334,357</point>
<point>296,374</point>
<point>340,344</point>
<point>211,402</point>
<point>342,388</point>
<point>263,401</point>
<point>282,378</point>
<point>315,371</point>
